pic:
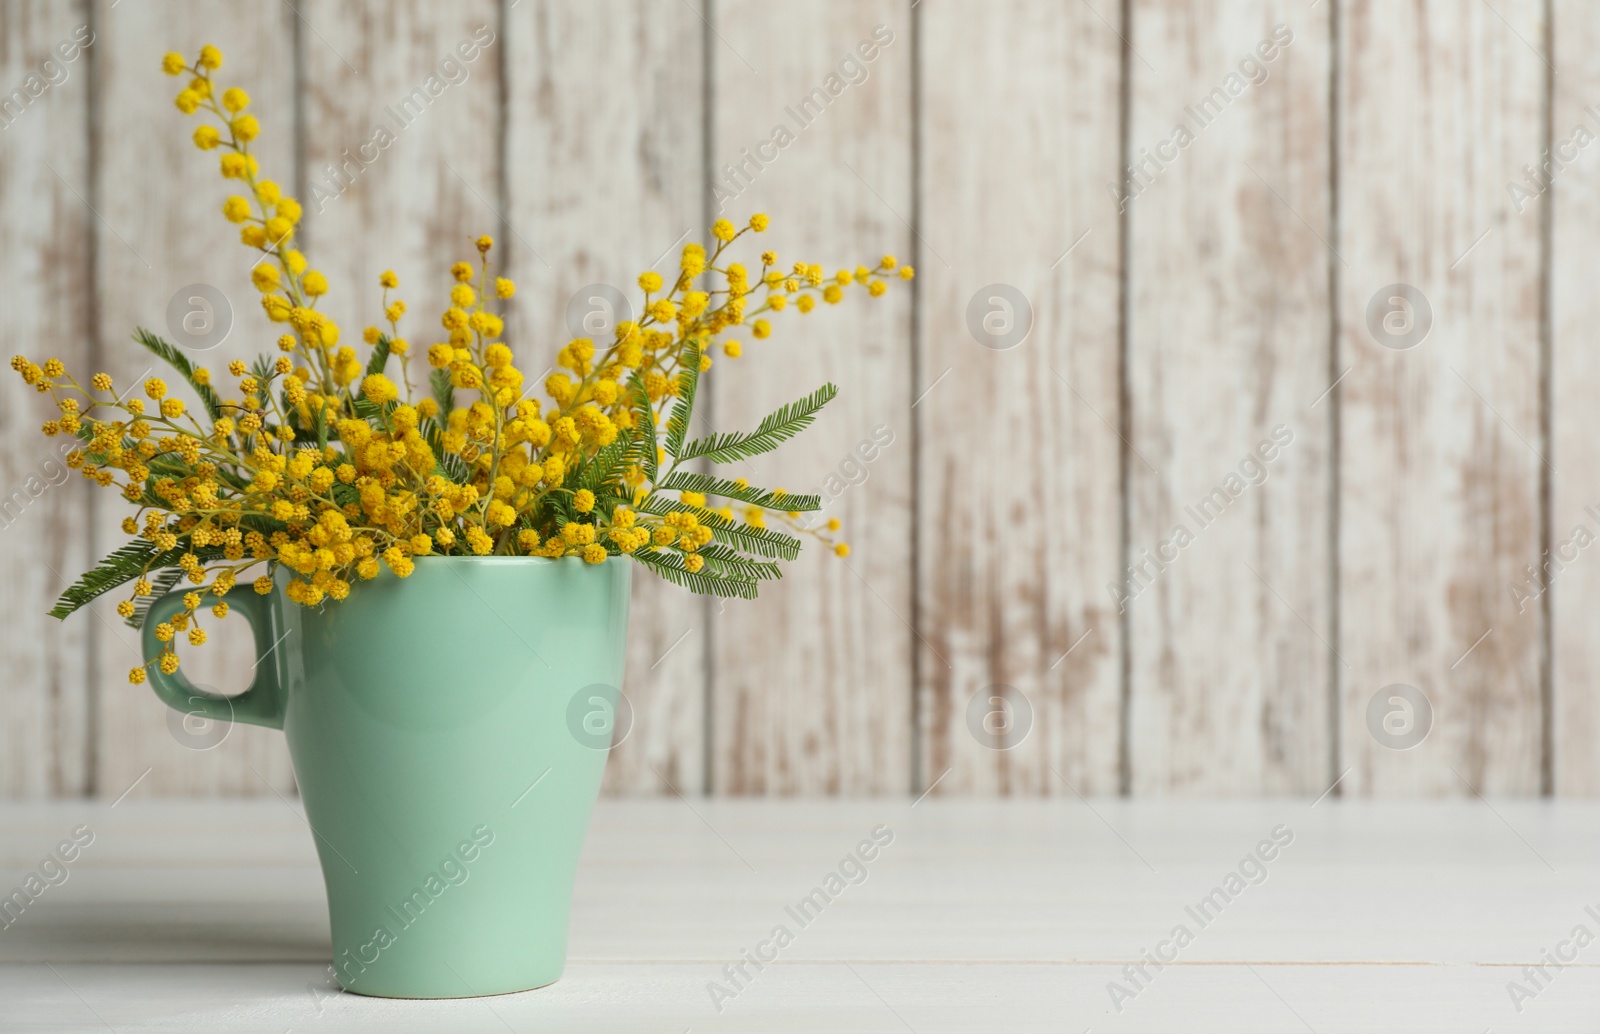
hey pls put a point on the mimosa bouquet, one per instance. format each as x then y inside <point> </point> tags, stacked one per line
<point>328,460</point>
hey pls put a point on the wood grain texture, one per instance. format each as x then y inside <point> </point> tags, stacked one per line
<point>1574,519</point>
<point>977,916</point>
<point>1019,139</point>
<point>811,683</point>
<point>45,265</point>
<point>162,230</point>
<point>1229,208</point>
<point>401,161</point>
<point>991,536</point>
<point>604,155</point>
<point>1439,474</point>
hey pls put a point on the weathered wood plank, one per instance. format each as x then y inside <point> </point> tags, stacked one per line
<point>1018,499</point>
<point>1574,577</point>
<point>401,152</point>
<point>161,231</point>
<point>811,684</point>
<point>44,508</point>
<point>1439,457</point>
<point>604,174</point>
<point>1229,503</point>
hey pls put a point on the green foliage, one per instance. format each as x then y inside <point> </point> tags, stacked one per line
<point>180,362</point>
<point>451,466</point>
<point>120,567</point>
<point>683,410</point>
<point>603,473</point>
<point>705,484</point>
<point>444,392</point>
<point>730,563</point>
<point>774,545</point>
<point>778,427</point>
<point>669,565</point>
<point>647,426</point>
<point>263,369</point>
<point>380,355</point>
<point>740,555</point>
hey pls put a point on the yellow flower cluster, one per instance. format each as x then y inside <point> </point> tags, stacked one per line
<point>323,467</point>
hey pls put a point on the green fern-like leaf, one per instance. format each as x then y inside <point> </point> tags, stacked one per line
<point>774,545</point>
<point>646,414</point>
<point>641,448</point>
<point>606,468</point>
<point>669,565</point>
<point>180,362</point>
<point>444,392</point>
<point>705,484</point>
<point>683,408</point>
<point>777,428</point>
<point>262,369</point>
<point>725,560</point>
<point>451,466</point>
<point>380,355</point>
<point>120,567</point>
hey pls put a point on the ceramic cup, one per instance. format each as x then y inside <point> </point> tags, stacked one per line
<point>448,733</point>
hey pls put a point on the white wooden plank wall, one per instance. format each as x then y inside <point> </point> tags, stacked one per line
<point>810,684</point>
<point>1158,245</point>
<point>1227,353</point>
<point>1573,516</point>
<point>1012,571</point>
<point>46,263</point>
<point>1443,455</point>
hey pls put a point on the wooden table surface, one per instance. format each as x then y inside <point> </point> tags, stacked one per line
<point>978,916</point>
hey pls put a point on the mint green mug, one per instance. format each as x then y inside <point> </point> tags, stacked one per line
<point>448,733</point>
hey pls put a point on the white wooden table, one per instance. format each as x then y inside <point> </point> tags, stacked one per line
<point>979,916</point>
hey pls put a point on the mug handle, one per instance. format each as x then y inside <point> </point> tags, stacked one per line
<point>261,704</point>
